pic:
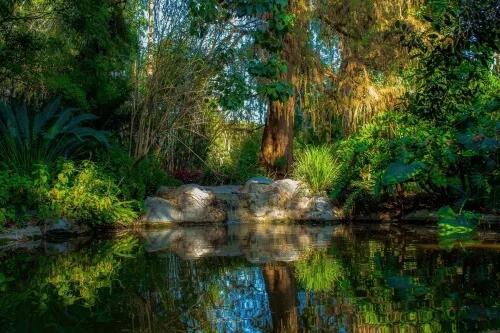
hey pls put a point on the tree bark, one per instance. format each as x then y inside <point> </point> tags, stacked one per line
<point>277,141</point>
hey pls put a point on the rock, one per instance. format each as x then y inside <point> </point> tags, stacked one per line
<point>260,199</point>
<point>194,201</point>
<point>224,189</point>
<point>300,204</point>
<point>256,184</point>
<point>160,210</point>
<point>62,226</point>
<point>289,186</point>
<point>166,192</point>
<point>187,203</point>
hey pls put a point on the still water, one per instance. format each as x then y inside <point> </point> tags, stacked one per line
<point>254,278</point>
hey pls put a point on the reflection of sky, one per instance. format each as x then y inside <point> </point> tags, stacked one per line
<point>242,304</point>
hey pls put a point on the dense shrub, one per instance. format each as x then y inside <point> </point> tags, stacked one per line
<point>78,191</point>
<point>136,180</point>
<point>241,163</point>
<point>457,160</point>
<point>84,193</point>
<point>16,198</point>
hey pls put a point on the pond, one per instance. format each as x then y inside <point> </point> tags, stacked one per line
<point>254,278</point>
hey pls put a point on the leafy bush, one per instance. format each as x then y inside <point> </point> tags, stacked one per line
<point>241,164</point>
<point>136,180</point>
<point>84,194</point>
<point>30,137</point>
<point>15,197</point>
<point>456,160</point>
<point>79,192</point>
<point>316,167</point>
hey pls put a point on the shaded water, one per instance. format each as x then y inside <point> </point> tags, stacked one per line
<point>253,278</point>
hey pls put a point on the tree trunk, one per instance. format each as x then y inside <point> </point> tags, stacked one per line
<point>277,141</point>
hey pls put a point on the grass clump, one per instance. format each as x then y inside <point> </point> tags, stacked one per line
<point>316,167</point>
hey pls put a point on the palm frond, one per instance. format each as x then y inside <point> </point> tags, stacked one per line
<point>10,121</point>
<point>76,121</point>
<point>23,123</point>
<point>87,132</point>
<point>60,123</point>
<point>42,117</point>
<point>52,134</point>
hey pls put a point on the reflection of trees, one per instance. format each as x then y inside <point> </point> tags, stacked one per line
<point>358,284</point>
<point>282,295</point>
<point>58,291</point>
<point>319,270</point>
<point>395,288</point>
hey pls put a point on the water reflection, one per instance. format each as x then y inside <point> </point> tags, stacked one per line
<point>253,278</point>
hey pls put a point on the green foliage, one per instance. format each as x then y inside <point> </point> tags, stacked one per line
<point>84,194</point>
<point>31,137</point>
<point>135,180</point>
<point>317,167</point>
<point>400,172</point>
<point>16,197</point>
<point>237,165</point>
<point>456,228</point>
<point>456,159</point>
<point>81,192</point>
<point>277,91</point>
<point>271,69</point>
<point>270,37</point>
<point>81,50</point>
<point>454,57</point>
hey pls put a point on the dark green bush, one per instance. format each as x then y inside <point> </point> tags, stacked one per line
<point>243,163</point>
<point>29,136</point>
<point>135,180</point>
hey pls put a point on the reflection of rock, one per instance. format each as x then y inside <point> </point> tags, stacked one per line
<point>194,242</point>
<point>259,243</point>
<point>23,233</point>
<point>48,245</point>
<point>260,199</point>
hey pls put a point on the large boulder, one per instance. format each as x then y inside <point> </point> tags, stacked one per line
<point>187,203</point>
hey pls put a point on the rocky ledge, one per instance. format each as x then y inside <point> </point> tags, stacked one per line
<point>259,200</point>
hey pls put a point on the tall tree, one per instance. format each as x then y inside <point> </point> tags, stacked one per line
<point>277,141</point>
